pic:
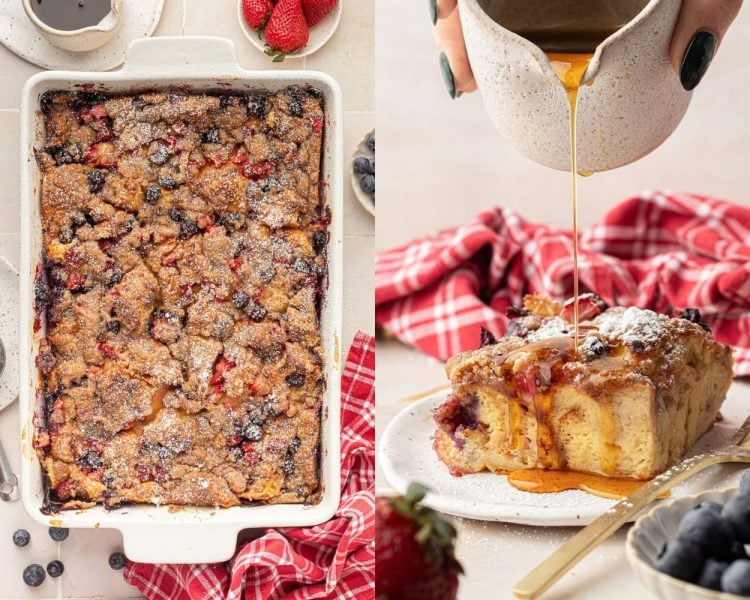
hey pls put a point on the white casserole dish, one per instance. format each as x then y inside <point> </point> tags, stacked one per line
<point>155,533</point>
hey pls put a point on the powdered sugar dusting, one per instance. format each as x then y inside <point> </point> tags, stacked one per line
<point>632,324</point>
<point>554,327</point>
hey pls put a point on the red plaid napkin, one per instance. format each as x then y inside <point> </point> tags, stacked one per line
<point>663,251</point>
<point>332,560</point>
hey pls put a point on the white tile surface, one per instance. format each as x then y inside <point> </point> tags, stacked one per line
<point>85,552</point>
<point>445,162</point>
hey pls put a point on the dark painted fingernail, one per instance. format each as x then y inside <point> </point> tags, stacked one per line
<point>699,54</point>
<point>433,10</point>
<point>450,81</point>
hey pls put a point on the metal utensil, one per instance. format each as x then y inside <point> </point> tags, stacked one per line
<point>8,479</point>
<point>534,584</point>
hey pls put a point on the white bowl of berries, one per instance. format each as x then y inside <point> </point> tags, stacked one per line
<point>695,548</point>
<point>293,28</point>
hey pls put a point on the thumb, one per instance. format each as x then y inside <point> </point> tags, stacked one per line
<point>699,30</point>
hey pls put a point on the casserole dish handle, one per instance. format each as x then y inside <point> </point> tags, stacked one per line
<point>183,56</point>
<point>178,543</point>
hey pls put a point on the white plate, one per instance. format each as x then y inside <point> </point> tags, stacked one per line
<point>406,455</point>
<point>9,332</point>
<point>139,19</point>
<point>365,199</point>
<point>319,34</point>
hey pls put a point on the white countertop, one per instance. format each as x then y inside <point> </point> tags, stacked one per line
<point>497,555</point>
<point>348,57</point>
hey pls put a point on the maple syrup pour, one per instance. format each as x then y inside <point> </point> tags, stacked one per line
<point>540,481</point>
<point>571,67</point>
<point>68,15</point>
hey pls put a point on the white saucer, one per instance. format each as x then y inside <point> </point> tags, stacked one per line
<point>9,332</point>
<point>405,454</point>
<point>139,19</point>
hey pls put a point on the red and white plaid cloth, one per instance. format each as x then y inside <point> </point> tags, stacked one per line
<point>333,560</point>
<point>663,251</point>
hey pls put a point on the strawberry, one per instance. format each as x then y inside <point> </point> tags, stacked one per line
<point>589,306</point>
<point>315,10</point>
<point>414,555</point>
<point>256,12</point>
<point>287,29</point>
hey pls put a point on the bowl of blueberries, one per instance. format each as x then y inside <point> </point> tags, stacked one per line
<point>695,547</point>
<point>363,172</point>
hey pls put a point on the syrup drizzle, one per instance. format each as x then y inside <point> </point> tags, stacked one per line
<point>571,67</point>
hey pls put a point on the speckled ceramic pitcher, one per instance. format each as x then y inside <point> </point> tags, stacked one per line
<point>632,99</point>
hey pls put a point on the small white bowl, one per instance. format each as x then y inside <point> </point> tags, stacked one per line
<point>79,40</point>
<point>365,199</point>
<point>648,536</point>
<point>319,34</point>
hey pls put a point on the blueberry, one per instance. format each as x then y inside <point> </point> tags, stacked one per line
<point>367,183</point>
<point>320,239</point>
<point>91,460</point>
<point>295,103</point>
<point>188,229</point>
<point>486,338</point>
<point>114,277</point>
<point>174,214</point>
<point>737,513</point>
<point>117,560</point>
<point>63,157</point>
<point>252,432</point>
<point>66,236</point>
<point>257,313</point>
<point>139,103</point>
<point>681,559</point>
<point>167,182</point>
<point>41,293</point>
<point>736,578</point>
<point>745,482</point>
<point>711,505</point>
<point>240,299</point>
<point>160,157</point>
<point>708,529</point>
<point>257,105</point>
<point>21,537</point>
<point>55,568</point>
<point>295,379</point>
<point>694,316</point>
<point>59,534</point>
<point>211,136</point>
<point>371,141</point>
<point>34,575</point>
<point>711,576</point>
<point>153,193</point>
<point>361,165</point>
<point>95,180</point>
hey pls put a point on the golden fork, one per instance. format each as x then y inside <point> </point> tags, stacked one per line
<point>534,584</point>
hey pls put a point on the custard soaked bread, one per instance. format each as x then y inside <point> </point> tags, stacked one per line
<point>641,390</point>
<point>184,264</point>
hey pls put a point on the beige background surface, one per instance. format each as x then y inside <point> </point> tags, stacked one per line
<point>348,57</point>
<point>441,162</point>
<point>445,162</point>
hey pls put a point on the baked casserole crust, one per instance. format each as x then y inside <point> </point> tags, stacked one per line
<point>184,267</point>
